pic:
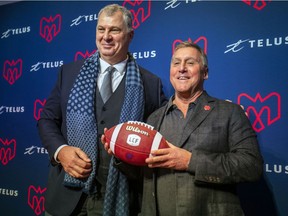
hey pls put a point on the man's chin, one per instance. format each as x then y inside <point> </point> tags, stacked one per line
<point>108,53</point>
<point>107,49</point>
<point>108,57</point>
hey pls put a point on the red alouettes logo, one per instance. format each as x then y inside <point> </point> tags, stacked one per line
<point>258,5</point>
<point>50,27</point>
<point>263,111</point>
<point>79,55</point>
<point>7,150</point>
<point>36,199</point>
<point>38,107</point>
<point>12,70</point>
<point>201,41</point>
<point>140,10</point>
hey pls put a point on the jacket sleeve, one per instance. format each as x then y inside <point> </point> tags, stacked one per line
<point>154,94</point>
<point>238,160</point>
<point>50,122</point>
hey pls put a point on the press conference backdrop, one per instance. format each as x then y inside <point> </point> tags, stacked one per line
<point>246,43</point>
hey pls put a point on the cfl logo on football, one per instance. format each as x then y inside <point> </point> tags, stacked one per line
<point>133,140</point>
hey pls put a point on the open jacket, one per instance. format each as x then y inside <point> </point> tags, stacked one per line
<point>224,152</point>
<point>61,200</point>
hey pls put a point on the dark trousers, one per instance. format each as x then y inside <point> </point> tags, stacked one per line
<point>88,206</point>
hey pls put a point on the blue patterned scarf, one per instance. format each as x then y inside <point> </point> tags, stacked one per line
<point>82,130</point>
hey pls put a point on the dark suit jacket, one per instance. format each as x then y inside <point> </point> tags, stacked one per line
<point>224,152</point>
<point>60,200</point>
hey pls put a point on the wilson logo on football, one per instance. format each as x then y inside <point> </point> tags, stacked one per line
<point>264,111</point>
<point>7,150</point>
<point>201,41</point>
<point>140,10</point>
<point>38,107</point>
<point>50,27</point>
<point>12,70</point>
<point>36,199</point>
<point>79,55</point>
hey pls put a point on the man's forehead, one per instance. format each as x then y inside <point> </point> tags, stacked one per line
<point>186,53</point>
<point>110,21</point>
<point>185,57</point>
<point>117,15</point>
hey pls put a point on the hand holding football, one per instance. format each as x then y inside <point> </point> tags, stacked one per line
<point>133,141</point>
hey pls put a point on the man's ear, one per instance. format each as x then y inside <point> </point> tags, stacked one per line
<point>131,35</point>
<point>205,73</point>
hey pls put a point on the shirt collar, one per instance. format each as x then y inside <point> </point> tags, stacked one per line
<point>120,67</point>
<point>171,106</point>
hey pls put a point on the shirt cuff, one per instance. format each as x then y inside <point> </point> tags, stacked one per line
<point>57,151</point>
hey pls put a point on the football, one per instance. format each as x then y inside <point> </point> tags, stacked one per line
<point>133,141</point>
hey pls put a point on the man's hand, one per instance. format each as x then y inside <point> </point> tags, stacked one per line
<point>171,158</point>
<point>75,162</point>
<point>106,145</point>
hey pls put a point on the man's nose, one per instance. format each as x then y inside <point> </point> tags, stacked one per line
<point>107,35</point>
<point>183,67</point>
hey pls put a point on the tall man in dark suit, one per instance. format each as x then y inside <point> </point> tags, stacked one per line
<point>82,178</point>
<point>212,147</point>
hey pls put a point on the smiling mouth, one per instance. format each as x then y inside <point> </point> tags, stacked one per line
<point>107,45</point>
<point>183,78</point>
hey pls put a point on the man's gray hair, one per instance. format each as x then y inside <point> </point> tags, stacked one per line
<point>111,9</point>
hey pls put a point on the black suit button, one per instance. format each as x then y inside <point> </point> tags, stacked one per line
<point>102,122</point>
<point>104,109</point>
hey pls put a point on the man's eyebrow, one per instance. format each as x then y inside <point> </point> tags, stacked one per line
<point>188,58</point>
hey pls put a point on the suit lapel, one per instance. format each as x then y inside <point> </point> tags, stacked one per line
<point>204,106</point>
<point>157,121</point>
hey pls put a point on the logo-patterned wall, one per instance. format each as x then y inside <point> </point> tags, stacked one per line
<point>247,46</point>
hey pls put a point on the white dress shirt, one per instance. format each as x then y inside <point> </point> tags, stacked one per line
<point>117,75</point>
